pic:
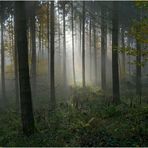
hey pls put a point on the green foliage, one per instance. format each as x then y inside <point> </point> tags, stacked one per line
<point>134,52</point>
<point>94,124</point>
<point>141,4</point>
<point>139,30</point>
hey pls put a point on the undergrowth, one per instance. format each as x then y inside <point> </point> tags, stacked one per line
<point>94,124</point>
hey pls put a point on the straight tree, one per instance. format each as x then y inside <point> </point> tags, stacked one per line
<point>90,50</point>
<point>138,71</point>
<point>123,54</point>
<point>80,36</point>
<point>2,55</point>
<point>33,43</point>
<point>103,48</point>
<point>73,47</point>
<point>48,44</point>
<point>138,61</point>
<point>115,71</point>
<point>52,78</point>
<point>64,48</point>
<point>16,68</point>
<point>83,47</point>
<point>22,49</point>
<point>95,55</point>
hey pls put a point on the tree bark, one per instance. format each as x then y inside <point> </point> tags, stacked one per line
<point>138,72</point>
<point>59,34</point>
<point>103,48</point>
<point>80,36</point>
<point>48,46</point>
<point>123,54</point>
<point>115,71</point>
<point>138,63</point>
<point>16,69</point>
<point>52,78</point>
<point>90,50</point>
<point>39,52</point>
<point>3,58</point>
<point>83,47</point>
<point>33,42</point>
<point>64,51</point>
<point>42,40</point>
<point>129,57</point>
<point>73,47</point>
<point>22,49</point>
<point>95,56</point>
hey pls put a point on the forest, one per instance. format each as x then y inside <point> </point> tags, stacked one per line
<point>74,73</point>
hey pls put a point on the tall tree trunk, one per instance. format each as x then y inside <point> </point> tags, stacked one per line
<point>73,47</point>
<point>90,50</point>
<point>95,56</point>
<point>39,52</point>
<point>52,78</point>
<point>123,54</point>
<point>83,47</point>
<point>138,63</point>
<point>80,36</point>
<point>22,49</point>
<point>129,57</point>
<point>59,34</point>
<point>64,50</point>
<point>16,69</point>
<point>48,45</point>
<point>138,72</point>
<point>59,31</point>
<point>103,48</point>
<point>42,40</point>
<point>3,58</point>
<point>10,38</point>
<point>33,42</point>
<point>115,71</point>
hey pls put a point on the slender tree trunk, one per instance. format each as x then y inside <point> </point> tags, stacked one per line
<point>59,31</point>
<point>16,69</point>
<point>3,58</point>
<point>52,78</point>
<point>138,62</point>
<point>64,50</point>
<point>129,57</point>
<point>90,51</point>
<point>80,37</point>
<point>59,35</point>
<point>10,38</point>
<point>48,45</point>
<point>115,71</point>
<point>95,56</point>
<point>22,49</point>
<point>83,47</point>
<point>33,42</point>
<point>123,54</point>
<point>29,40</point>
<point>73,47</point>
<point>42,40</point>
<point>39,52</point>
<point>103,48</point>
<point>59,40</point>
<point>138,72</point>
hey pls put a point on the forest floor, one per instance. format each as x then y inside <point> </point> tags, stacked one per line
<point>93,124</point>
